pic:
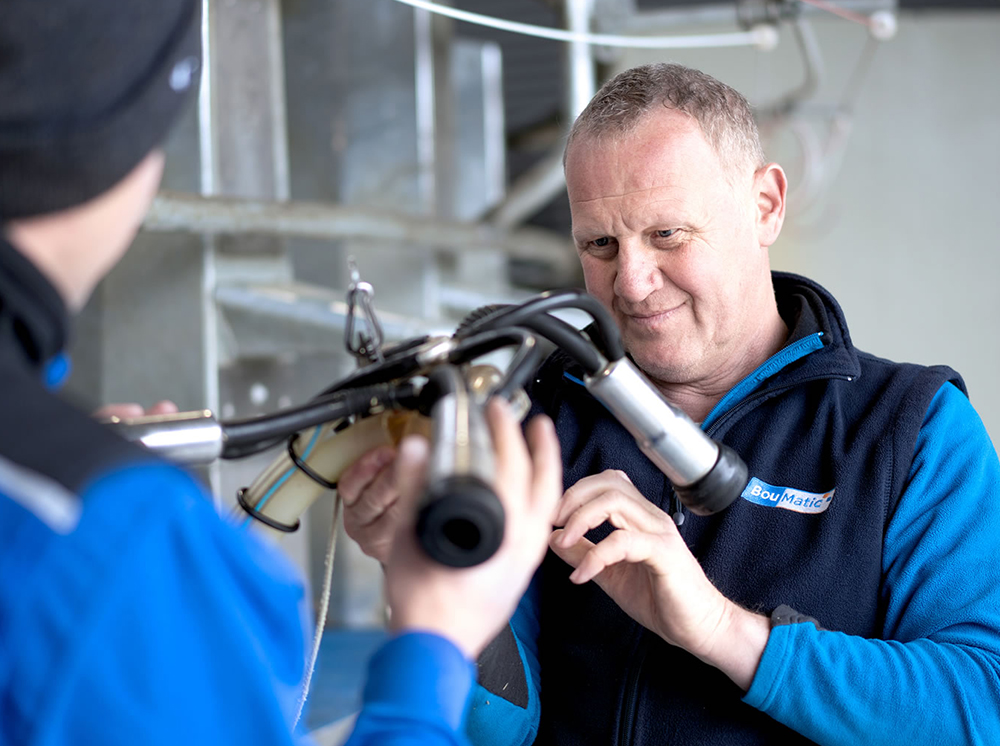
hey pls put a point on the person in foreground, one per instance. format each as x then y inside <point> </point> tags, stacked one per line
<point>130,612</point>
<point>851,594</point>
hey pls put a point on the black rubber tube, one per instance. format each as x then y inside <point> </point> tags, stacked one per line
<point>525,361</point>
<point>568,339</point>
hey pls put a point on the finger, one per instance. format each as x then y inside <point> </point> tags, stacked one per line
<point>163,407</point>
<point>589,487</point>
<point>411,468</point>
<point>124,411</point>
<point>513,460</point>
<point>622,511</point>
<point>376,498</point>
<point>546,483</point>
<point>621,546</point>
<point>376,538</point>
<point>362,472</point>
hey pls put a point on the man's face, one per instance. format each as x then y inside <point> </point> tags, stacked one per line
<point>667,238</point>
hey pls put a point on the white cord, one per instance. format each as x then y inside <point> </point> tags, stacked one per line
<point>324,607</point>
<point>765,37</point>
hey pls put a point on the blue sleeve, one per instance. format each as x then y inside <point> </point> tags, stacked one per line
<point>416,694</point>
<point>935,677</point>
<point>493,721</point>
<point>181,628</point>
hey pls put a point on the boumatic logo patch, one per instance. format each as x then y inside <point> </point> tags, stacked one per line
<point>788,498</point>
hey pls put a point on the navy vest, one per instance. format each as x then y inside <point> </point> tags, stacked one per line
<point>836,419</point>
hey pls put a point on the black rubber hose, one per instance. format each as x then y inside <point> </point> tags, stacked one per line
<point>398,365</point>
<point>231,452</point>
<point>479,314</point>
<point>568,338</point>
<point>525,361</point>
<point>239,435</point>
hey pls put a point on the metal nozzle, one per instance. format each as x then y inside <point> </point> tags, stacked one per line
<point>184,437</point>
<point>706,477</point>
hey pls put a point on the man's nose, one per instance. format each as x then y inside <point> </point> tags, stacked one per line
<point>637,273</point>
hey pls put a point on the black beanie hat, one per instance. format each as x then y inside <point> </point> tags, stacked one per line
<point>88,88</point>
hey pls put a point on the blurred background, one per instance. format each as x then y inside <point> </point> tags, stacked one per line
<point>428,148</point>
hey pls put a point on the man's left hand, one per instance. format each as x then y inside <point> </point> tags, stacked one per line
<point>648,570</point>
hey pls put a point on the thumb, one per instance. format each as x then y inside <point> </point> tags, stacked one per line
<point>571,555</point>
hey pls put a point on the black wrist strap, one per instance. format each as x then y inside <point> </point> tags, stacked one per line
<point>787,615</point>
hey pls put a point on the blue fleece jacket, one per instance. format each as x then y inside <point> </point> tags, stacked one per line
<point>130,612</point>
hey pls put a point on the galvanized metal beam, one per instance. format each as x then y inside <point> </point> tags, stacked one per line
<point>175,211</point>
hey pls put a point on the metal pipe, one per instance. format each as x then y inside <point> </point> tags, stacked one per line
<point>314,306</point>
<point>174,211</point>
<point>540,184</point>
<point>184,437</point>
<point>812,60</point>
<point>530,193</point>
<point>652,21</point>
<point>580,58</point>
<point>666,435</point>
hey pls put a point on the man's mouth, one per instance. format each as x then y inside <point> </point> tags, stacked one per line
<point>650,318</point>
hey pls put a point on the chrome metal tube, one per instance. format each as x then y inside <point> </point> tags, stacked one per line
<point>665,434</point>
<point>184,437</point>
<point>460,522</point>
<point>461,438</point>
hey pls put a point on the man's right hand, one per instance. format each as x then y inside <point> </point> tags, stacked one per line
<point>372,512</point>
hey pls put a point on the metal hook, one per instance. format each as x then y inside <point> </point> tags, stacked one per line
<point>360,294</point>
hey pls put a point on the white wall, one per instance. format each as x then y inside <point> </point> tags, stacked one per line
<point>908,235</point>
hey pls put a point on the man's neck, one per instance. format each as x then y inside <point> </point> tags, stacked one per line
<point>698,398</point>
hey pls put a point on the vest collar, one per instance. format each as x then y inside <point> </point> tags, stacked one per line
<point>807,308</point>
<point>34,321</point>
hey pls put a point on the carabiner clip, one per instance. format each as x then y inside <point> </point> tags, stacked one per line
<point>364,344</point>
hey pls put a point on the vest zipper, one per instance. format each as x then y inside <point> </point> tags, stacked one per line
<point>626,725</point>
<point>746,404</point>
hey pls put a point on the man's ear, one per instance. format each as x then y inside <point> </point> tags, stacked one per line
<point>769,188</point>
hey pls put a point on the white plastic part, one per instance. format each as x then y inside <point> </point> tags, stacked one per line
<point>283,492</point>
<point>883,25</point>
<point>767,37</point>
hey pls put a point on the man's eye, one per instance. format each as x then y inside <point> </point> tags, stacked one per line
<point>602,241</point>
<point>666,233</point>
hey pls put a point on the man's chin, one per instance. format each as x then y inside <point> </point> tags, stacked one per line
<point>660,370</point>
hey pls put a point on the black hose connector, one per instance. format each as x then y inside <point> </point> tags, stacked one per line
<point>717,490</point>
<point>460,522</point>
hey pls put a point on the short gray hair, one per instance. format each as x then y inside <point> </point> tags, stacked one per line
<point>724,115</point>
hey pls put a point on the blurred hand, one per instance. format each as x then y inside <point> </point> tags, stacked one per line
<point>470,605</point>
<point>372,513</point>
<point>134,410</point>
<point>647,569</point>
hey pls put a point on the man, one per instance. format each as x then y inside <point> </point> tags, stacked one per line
<point>848,596</point>
<point>130,613</point>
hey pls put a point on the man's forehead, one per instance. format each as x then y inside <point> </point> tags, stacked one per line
<point>663,153</point>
